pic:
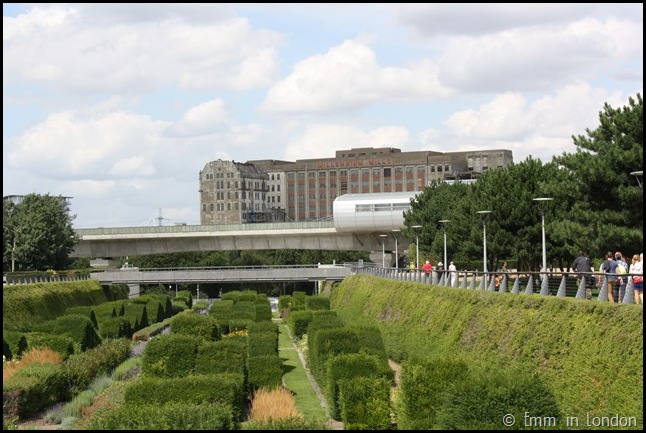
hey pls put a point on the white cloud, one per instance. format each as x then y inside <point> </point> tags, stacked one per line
<point>71,145</point>
<point>348,77</point>
<point>121,105</point>
<point>136,57</point>
<point>205,118</point>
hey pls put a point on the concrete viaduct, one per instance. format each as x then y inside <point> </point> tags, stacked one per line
<point>110,243</point>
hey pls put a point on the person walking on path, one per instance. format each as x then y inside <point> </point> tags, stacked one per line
<point>609,266</point>
<point>427,267</point>
<point>637,274</point>
<point>583,266</point>
<point>453,272</point>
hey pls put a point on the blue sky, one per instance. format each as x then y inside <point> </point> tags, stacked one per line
<point>121,105</point>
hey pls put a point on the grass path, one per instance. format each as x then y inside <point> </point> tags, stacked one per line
<point>297,378</point>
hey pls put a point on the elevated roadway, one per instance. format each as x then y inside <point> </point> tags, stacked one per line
<point>309,273</point>
<point>136,241</point>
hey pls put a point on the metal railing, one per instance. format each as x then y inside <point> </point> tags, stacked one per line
<point>589,285</point>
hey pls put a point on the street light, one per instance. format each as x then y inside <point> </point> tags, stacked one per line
<point>16,231</point>
<point>637,175</point>
<point>396,234</point>
<point>542,201</point>
<point>417,227</point>
<point>444,226</point>
<point>485,215</point>
<point>383,250</point>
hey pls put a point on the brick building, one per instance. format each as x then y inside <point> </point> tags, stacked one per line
<point>305,189</point>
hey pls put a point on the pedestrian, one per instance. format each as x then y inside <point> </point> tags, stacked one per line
<point>440,270</point>
<point>453,272</point>
<point>609,266</point>
<point>502,274</point>
<point>583,266</point>
<point>637,274</point>
<point>427,267</point>
<point>621,268</point>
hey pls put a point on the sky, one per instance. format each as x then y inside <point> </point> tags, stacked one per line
<point>119,106</point>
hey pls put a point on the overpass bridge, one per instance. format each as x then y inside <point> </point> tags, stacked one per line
<point>225,274</point>
<point>119,242</point>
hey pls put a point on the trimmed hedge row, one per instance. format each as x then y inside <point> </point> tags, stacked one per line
<point>28,304</point>
<point>572,357</point>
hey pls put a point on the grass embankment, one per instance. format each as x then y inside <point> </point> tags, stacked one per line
<point>589,353</point>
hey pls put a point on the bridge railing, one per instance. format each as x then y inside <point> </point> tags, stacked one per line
<point>204,228</point>
<point>562,284</point>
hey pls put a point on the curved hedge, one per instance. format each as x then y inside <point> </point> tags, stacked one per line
<point>588,353</point>
<point>28,304</point>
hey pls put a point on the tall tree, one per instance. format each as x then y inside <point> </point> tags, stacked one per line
<point>610,202</point>
<point>38,233</point>
<point>596,206</point>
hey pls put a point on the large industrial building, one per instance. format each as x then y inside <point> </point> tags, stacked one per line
<point>305,189</point>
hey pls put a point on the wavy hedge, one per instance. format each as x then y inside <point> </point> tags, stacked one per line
<point>28,304</point>
<point>589,353</point>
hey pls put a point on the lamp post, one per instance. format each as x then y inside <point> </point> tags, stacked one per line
<point>417,227</point>
<point>396,234</point>
<point>542,202</point>
<point>13,255</point>
<point>383,250</point>
<point>444,222</point>
<point>637,175</point>
<point>16,232</point>
<point>485,215</point>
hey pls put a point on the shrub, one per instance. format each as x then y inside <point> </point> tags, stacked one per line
<point>82,368</point>
<point>220,389</point>
<point>62,344</point>
<point>365,403</point>
<point>274,404</point>
<point>265,372</point>
<point>199,325</point>
<point>76,326</point>
<point>170,355</point>
<point>169,416</point>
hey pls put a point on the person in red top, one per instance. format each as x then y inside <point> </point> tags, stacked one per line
<point>427,268</point>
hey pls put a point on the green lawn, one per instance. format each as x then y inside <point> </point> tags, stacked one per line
<point>296,379</point>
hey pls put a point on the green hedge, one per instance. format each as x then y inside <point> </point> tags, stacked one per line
<point>220,357</point>
<point>25,305</point>
<point>265,371</point>
<point>317,303</point>
<point>298,322</point>
<point>170,416</point>
<point>347,366</point>
<point>191,323</point>
<point>589,354</point>
<point>62,344</point>
<point>263,338</point>
<point>79,328</point>
<point>32,389</point>
<point>219,389</point>
<point>365,403</point>
<point>170,355</point>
